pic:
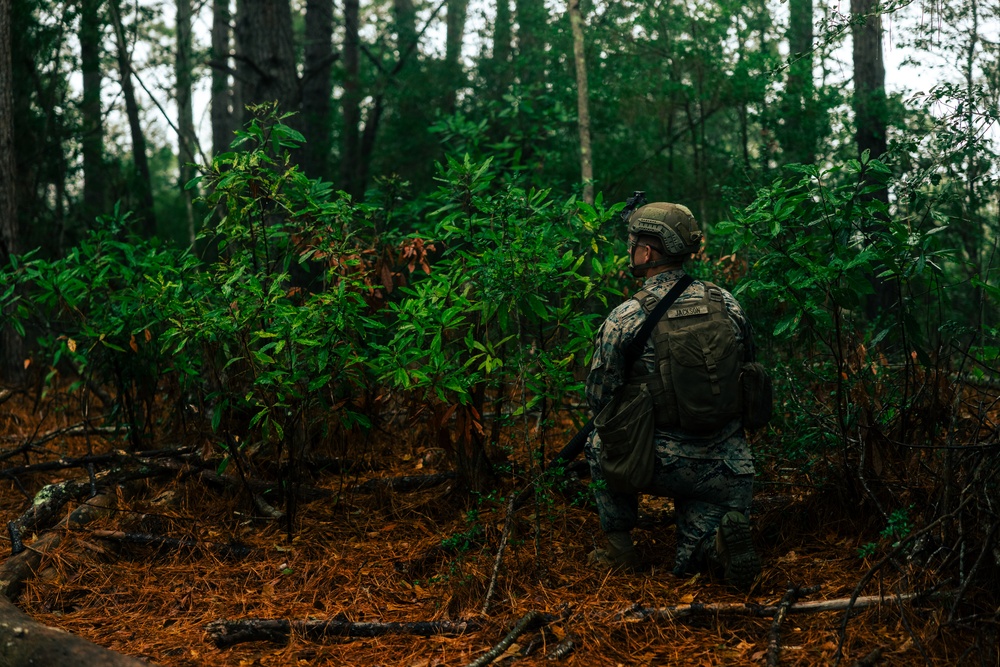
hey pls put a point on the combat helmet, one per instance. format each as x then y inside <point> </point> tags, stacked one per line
<point>673,225</point>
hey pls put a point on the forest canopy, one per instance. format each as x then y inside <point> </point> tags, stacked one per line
<point>290,233</point>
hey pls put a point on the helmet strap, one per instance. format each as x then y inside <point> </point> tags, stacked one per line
<point>639,268</point>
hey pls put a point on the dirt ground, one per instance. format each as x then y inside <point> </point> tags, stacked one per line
<point>376,556</point>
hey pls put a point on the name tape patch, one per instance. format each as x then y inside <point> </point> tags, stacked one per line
<point>687,312</point>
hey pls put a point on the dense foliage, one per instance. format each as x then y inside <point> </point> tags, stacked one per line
<point>454,281</point>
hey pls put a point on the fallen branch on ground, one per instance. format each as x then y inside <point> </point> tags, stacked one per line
<point>76,430</point>
<point>774,640</point>
<point>507,523</point>
<point>562,649</point>
<point>638,613</point>
<point>405,484</point>
<point>258,487</point>
<point>49,501</point>
<point>234,550</point>
<point>227,633</point>
<point>871,659</point>
<point>20,567</point>
<point>530,620</point>
<point>66,463</point>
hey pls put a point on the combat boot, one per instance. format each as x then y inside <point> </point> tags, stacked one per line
<point>734,551</point>
<point>620,552</point>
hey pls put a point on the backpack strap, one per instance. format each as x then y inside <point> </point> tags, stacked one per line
<point>634,350</point>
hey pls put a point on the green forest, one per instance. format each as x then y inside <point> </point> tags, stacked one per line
<point>298,300</point>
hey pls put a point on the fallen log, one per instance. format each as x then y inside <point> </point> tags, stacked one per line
<point>24,641</point>
<point>225,633</point>
<point>20,567</point>
<point>50,500</point>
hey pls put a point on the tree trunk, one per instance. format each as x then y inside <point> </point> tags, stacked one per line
<point>870,117</point>
<point>502,37</point>
<point>24,641</point>
<point>869,78</point>
<point>144,207</point>
<point>368,136</point>
<point>582,102</point>
<point>454,38</point>
<point>532,19</point>
<point>8,162</point>
<point>185,114</point>
<point>799,113</point>
<point>222,92</point>
<point>317,88</point>
<point>266,55</point>
<point>405,18</point>
<point>92,137</point>
<point>11,344</point>
<point>350,154</point>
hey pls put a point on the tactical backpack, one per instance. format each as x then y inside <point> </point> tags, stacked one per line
<point>700,383</point>
<point>696,382</point>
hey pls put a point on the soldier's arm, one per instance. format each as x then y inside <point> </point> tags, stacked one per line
<point>607,366</point>
<point>741,326</point>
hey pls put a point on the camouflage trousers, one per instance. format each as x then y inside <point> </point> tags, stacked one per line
<point>703,490</point>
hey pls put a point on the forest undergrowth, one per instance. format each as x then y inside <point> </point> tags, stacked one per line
<point>185,547</point>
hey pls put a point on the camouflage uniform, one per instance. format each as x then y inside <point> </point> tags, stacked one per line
<point>706,475</point>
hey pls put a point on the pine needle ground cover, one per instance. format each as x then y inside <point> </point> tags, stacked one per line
<point>361,552</point>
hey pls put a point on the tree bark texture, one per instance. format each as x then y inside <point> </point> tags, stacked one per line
<point>92,137</point>
<point>222,93</point>
<point>11,344</point>
<point>454,38</point>
<point>350,154</point>
<point>582,102</point>
<point>502,37</point>
<point>8,162</point>
<point>24,641</point>
<point>185,113</point>
<point>266,55</point>
<point>317,87</point>
<point>532,21</point>
<point>870,119</point>
<point>869,77</point>
<point>799,112</point>
<point>405,17</point>
<point>144,209</point>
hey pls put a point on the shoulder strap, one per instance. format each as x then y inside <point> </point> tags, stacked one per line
<point>638,344</point>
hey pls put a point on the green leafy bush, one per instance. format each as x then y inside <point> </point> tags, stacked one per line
<point>502,324</point>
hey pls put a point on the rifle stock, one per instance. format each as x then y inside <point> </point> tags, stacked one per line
<point>574,446</point>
